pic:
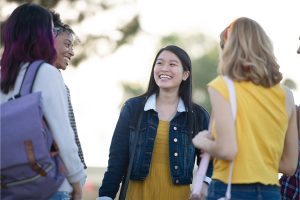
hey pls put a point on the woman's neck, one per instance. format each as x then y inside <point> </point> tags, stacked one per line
<point>166,105</point>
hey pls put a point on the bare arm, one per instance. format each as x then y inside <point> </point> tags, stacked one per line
<point>224,146</point>
<point>289,158</point>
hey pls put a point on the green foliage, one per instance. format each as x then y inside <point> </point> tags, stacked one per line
<point>290,84</point>
<point>204,54</point>
<point>202,49</point>
<point>78,58</point>
<point>204,70</point>
<point>131,90</point>
<point>129,31</point>
<point>171,39</point>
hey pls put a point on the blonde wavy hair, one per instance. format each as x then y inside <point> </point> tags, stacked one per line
<point>248,54</point>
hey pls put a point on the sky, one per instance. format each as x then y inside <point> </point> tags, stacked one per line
<point>96,84</point>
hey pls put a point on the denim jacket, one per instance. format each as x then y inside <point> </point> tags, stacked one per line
<point>182,152</point>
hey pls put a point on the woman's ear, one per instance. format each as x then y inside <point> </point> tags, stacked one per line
<point>185,76</point>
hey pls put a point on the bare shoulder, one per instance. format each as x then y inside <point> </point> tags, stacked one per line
<point>290,104</point>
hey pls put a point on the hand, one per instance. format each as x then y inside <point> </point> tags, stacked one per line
<point>201,138</point>
<point>77,191</point>
<point>203,193</point>
<point>194,197</point>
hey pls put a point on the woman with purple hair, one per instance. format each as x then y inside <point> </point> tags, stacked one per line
<point>27,36</point>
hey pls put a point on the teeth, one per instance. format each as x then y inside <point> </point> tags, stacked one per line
<point>67,60</point>
<point>163,76</point>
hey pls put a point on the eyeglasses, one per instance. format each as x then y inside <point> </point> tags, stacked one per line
<point>57,30</point>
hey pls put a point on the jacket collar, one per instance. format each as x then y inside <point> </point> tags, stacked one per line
<point>151,104</point>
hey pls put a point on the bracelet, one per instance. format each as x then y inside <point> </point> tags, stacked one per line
<point>207,180</point>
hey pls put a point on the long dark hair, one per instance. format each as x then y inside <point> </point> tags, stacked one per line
<point>27,36</point>
<point>185,88</point>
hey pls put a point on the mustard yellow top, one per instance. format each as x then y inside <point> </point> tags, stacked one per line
<point>261,124</point>
<point>158,183</point>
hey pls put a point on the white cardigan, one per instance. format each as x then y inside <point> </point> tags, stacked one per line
<point>55,107</point>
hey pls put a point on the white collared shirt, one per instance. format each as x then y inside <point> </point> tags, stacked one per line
<point>151,104</point>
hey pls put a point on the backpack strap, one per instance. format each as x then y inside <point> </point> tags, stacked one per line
<point>29,77</point>
<point>233,106</point>
<point>298,117</point>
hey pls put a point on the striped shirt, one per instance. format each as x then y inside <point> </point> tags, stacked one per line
<point>73,125</point>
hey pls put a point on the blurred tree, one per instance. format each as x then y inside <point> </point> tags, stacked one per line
<point>205,70</point>
<point>131,89</point>
<point>45,3</point>
<point>204,54</point>
<point>290,84</point>
<point>105,38</point>
<point>110,36</point>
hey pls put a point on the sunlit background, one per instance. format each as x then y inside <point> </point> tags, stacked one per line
<point>119,39</point>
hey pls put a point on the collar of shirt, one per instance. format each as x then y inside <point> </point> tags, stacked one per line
<point>151,104</point>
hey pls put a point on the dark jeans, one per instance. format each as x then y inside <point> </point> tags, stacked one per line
<point>256,191</point>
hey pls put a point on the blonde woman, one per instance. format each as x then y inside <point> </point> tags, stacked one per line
<point>263,140</point>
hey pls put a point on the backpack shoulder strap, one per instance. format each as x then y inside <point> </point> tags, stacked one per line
<point>232,95</point>
<point>29,77</point>
<point>298,117</point>
<point>233,105</point>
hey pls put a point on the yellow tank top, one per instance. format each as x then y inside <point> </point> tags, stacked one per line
<point>158,183</point>
<point>261,124</point>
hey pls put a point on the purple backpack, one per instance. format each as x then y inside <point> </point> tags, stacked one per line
<point>30,165</point>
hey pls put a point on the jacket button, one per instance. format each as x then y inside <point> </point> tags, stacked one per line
<point>175,128</point>
<point>176,167</point>
<point>175,140</point>
<point>176,154</point>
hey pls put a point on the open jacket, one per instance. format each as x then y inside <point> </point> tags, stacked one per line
<point>182,152</point>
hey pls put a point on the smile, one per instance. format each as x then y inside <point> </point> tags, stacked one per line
<point>164,76</point>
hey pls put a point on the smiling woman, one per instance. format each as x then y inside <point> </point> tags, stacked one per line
<point>27,33</point>
<point>162,153</point>
<point>168,72</point>
<point>64,40</point>
<point>64,46</point>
